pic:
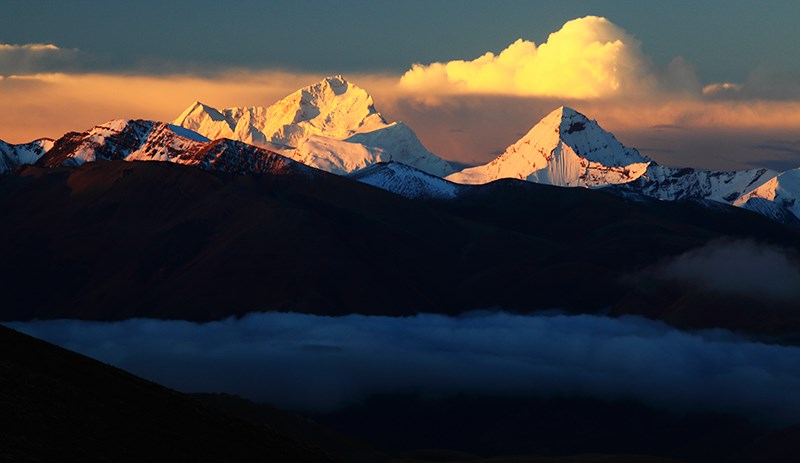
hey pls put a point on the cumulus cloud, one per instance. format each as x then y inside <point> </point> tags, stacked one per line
<point>35,57</point>
<point>315,363</point>
<point>738,267</point>
<point>589,57</point>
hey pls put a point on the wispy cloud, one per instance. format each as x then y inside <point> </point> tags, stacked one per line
<point>762,83</point>
<point>321,363</point>
<point>737,267</point>
<point>5,47</point>
<point>23,59</point>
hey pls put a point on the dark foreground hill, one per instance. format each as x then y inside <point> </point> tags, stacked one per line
<point>113,240</point>
<point>56,405</point>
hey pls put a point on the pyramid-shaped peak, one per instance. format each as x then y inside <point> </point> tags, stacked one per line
<point>200,106</point>
<point>565,113</point>
<point>567,121</point>
<point>198,109</point>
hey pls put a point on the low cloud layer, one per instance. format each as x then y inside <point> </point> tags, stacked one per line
<point>588,57</point>
<point>738,267</point>
<point>318,363</point>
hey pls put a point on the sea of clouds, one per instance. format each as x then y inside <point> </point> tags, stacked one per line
<point>317,363</point>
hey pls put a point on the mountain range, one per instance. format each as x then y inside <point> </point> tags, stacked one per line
<point>215,208</point>
<point>317,204</point>
<point>334,126</point>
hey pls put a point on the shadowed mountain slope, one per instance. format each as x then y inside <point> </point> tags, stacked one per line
<point>60,406</point>
<point>114,240</point>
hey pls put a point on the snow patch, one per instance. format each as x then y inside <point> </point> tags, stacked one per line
<point>406,181</point>
<point>186,133</point>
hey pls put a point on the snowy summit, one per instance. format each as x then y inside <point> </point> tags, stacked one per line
<point>565,149</point>
<point>332,125</point>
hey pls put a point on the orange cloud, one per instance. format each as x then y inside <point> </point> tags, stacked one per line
<point>587,58</point>
<point>5,47</point>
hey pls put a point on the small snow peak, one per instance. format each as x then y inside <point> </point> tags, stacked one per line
<point>197,105</point>
<point>565,113</point>
<point>116,125</point>
<point>338,79</point>
<point>336,83</point>
<point>195,110</point>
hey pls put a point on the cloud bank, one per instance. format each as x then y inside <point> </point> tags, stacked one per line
<point>738,267</point>
<point>587,58</point>
<point>314,363</point>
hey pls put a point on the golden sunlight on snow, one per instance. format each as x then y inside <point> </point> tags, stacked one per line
<point>588,57</point>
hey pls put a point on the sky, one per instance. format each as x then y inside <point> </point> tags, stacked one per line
<point>705,84</point>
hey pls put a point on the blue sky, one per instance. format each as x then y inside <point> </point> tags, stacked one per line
<point>724,40</point>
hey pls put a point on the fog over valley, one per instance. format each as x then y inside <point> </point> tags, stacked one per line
<point>315,363</point>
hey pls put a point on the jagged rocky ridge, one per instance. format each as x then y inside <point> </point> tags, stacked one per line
<point>141,140</point>
<point>12,156</point>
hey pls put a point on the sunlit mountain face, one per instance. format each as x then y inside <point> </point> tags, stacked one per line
<point>483,256</point>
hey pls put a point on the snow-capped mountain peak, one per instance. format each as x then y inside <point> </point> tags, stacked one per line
<point>333,108</point>
<point>566,149</point>
<point>123,139</point>
<point>781,192</point>
<point>13,156</point>
<point>332,125</point>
